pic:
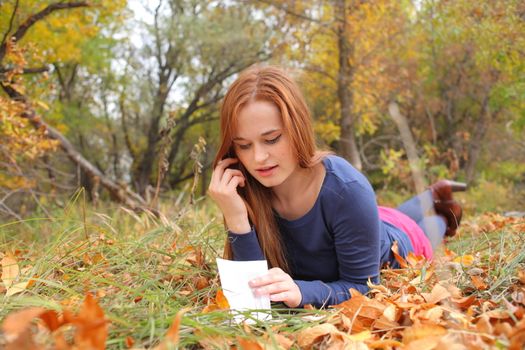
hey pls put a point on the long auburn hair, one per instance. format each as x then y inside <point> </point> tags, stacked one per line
<point>272,84</point>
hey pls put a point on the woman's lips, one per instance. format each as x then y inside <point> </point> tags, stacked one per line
<point>267,171</point>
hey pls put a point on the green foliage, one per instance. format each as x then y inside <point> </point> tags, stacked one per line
<point>493,196</point>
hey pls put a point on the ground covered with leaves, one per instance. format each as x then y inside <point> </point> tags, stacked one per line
<point>87,280</point>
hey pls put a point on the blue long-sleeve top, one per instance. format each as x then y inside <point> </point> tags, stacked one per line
<point>338,244</point>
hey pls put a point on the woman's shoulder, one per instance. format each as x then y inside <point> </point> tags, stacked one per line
<point>339,169</point>
<point>345,190</point>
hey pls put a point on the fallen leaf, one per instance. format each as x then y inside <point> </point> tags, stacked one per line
<point>249,344</point>
<point>437,294</point>
<point>10,270</point>
<point>384,344</point>
<point>221,300</point>
<point>464,303</point>
<point>421,332</point>
<point>17,288</point>
<point>92,327</point>
<point>129,341</point>
<point>465,260</point>
<point>17,322</point>
<point>51,320</point>
<point>172,335</point>
<point>483,325</point>
<point>201,282</point>
<point>283,341</point>
<point>309,336</point>
<point>361,336</point>
<point>478,283</point>
<point>400,260</point>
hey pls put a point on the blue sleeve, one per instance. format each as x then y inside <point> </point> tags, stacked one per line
<point>354,222</point>
<point>245,247</point>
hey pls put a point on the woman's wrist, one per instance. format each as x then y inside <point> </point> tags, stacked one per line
<point>239,226</point>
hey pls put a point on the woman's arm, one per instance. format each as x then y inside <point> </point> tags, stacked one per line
<point>354,223</point>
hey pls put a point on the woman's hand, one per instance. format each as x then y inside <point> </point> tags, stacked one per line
<point>223,190</point>
<point>279,285</point>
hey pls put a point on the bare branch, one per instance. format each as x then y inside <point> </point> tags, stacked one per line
<point>13,15</point>
<point>34,70</point>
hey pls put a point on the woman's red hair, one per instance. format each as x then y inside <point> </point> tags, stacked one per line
<point>271,84</point>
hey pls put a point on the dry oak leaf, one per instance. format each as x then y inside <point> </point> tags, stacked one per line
<point>438,293</point>
<point>422,331</point>
<point>363,310</point>
<point>91,325</point>
<point>478,283</point>
<point>335,339</point>
<point>249,344</point>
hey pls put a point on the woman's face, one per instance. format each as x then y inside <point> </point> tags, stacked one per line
<point>262,146</point>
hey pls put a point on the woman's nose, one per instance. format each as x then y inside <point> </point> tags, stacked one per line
<point>261,154</point>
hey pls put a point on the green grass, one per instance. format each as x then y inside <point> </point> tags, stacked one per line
<point>143,269</point>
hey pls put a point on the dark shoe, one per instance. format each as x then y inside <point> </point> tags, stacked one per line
<point>445,205</point>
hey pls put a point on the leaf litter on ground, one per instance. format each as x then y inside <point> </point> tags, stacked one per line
<point>169,290</point>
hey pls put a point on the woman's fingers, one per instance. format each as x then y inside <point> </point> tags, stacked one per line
<point>221,181</point>
<point>279,286</point>
<point>274,275</point>
<point>228,175</point>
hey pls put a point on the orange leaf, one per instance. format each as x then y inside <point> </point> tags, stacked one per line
<point>92,328</point>
<point>17,322</point>
<point>173,331</point>
<point>249,344</point>
<point>283,341</point>
<point>221,301</point>
<point>464,303</point>
<point>129,341</point>
<point>478,283</point>
<point>438,294</point>
<point>51,320</point>
<point>420,331</point>
<point>401,261</point>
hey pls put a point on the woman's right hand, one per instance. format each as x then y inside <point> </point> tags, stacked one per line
<point>223,190</point>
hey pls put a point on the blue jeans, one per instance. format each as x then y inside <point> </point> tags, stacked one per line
<point>421,209</point>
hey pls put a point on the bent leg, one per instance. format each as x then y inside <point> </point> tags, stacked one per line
<point>434,227</point>
<point>419,206</point>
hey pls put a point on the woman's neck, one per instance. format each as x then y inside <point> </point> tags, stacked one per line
<point>294,197</point>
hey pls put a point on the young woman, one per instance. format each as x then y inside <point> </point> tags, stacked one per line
<point>309,213</point>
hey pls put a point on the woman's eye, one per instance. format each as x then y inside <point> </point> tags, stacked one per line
<point>274,140</point>
<point>243,146</point>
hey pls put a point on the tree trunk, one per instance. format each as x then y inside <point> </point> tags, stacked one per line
<point>143,170</point>
<point>409,144</point>
<point>347,142</point>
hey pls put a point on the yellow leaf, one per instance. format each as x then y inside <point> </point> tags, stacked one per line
<point>43,105</point>
<point>17,288</point>
<point>361,336</point>
<point>10,270</point>
<point>465,260</point>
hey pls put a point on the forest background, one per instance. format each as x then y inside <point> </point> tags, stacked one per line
<point>122,99</point>
<point>107,106</point>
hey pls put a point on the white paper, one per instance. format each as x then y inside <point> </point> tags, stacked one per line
<point>234,276</point>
